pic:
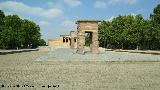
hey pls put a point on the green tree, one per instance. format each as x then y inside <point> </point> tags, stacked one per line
<point>118,25</point>
<point>13,23</point>
<point>155,28</point>
<point>156,14</point>
<point>124,32</point>
<point>2,28</point>
<point>42,42</point>
<point>137,34</point>
<point>2,15</point>
<point>18,33</point>
<point>104,34</point>
<point>32,34</point>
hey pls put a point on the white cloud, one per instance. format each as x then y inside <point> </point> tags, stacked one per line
<point>50,4</point>
<point>110,19</point>
<point>133,14</point>
<point>20,8</point>
<point>43,23</point>
<point>73,3</point>
<point>140,11</point>
<point>122,1</point>
<point>69,24</point>
<point>100,4</point>
<point>104,4</point>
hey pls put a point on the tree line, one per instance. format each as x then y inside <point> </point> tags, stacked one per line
<point>17,33</point>
<point>131,32</point>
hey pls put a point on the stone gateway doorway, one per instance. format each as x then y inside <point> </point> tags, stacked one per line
<point>84,26</point>
<point>88,39</point>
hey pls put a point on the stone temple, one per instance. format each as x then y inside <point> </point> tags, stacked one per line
<point>64,41</point>
<point>76,40</point>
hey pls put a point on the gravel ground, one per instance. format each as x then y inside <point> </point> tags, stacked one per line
<point>22,69</point>
<point>68,54</point>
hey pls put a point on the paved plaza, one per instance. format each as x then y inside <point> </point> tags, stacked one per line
<point>39,68</point>
<point>69,54</point>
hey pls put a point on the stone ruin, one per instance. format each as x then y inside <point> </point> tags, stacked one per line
<point>76,40</point>
<point>87,26</point>
<point>64,41</point>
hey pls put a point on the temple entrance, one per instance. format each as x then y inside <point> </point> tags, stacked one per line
<point>88,41</point>
<point>85,26</point>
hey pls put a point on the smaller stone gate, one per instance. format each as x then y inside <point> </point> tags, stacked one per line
<point>87,26</point>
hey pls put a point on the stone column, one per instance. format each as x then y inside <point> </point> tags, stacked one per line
<point>81,42</point>
<point>66,40</point>
<point>72,42</point>
<point>95,43</point>
<point>75,42</point>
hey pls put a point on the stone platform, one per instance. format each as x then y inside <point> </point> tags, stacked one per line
<point>65,54</point>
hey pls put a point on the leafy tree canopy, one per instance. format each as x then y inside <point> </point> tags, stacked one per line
<point>18,33</point>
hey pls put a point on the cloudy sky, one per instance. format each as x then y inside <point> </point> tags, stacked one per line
<point>57,17</point>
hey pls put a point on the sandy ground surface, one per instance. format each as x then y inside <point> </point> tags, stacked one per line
<point>22,69</point>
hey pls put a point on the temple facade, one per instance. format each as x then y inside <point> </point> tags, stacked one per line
<point>64,41</point>
<point>77,39</point>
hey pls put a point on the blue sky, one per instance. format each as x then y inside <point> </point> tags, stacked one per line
<point>57,17</point>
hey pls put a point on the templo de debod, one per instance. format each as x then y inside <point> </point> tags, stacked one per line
<point>76,40</point>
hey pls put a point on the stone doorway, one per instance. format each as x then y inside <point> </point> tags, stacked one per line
<point>88,41</point>
<point>90,26</point>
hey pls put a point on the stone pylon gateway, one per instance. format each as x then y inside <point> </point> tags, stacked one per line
<point>87,26</point>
